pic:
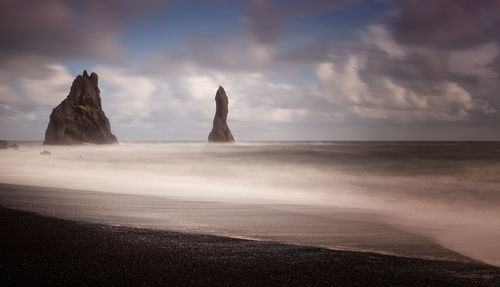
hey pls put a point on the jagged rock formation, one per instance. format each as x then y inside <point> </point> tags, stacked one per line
<point>220,131</point>
<point>79,118</point>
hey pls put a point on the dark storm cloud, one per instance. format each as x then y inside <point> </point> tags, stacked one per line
<point>417,68</point>
<point>377,80</point>
<point>305,8</point>
<point>495,65</point>
<point>66,29</point>
<point>265,19</point>
<point>238,54</point>
<point>312,53</point>
<point>417,65</point>
<point>448,24</point>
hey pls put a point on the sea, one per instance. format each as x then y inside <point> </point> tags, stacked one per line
<point>432,200</point>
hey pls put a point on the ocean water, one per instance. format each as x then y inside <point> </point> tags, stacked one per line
<point>418,199</point>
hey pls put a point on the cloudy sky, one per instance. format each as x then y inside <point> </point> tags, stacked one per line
<point>293,70</point>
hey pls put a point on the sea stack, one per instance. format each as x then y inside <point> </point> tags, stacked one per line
<point>79,118</point>
<point>220,132</point>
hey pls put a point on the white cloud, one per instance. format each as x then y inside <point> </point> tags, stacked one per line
<point>261,53</point>
<point>287,115</point>
<point>199,86</point>
<point>200,89</point>
<point>382,98</point>
<point>342,84</point>
<point>401,98</point>
<point>130,96</point>
<point>7,95</point>
<point>49,90</point>
<point>384,93</point>
<point>379,36</point>
<point>252,98</point>
<point>11,113</point>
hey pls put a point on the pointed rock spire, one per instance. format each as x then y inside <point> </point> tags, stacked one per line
<point>220,131</point>
<point>79,118</point>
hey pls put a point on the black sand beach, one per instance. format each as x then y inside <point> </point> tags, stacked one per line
<point>38,250</point>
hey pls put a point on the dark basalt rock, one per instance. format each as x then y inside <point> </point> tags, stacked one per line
<point>220,131</point>
<point>79,118</point>
<point>14,147</point>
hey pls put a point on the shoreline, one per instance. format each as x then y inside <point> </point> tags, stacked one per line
<point>335,229</point>
<point>42,250</point>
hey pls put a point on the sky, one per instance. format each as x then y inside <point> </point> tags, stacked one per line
<point>292,70</point>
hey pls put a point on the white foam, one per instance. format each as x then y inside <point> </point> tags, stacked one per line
<point>448,208</point>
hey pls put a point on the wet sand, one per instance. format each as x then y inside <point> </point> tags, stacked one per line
<point>332,228</point>
<point>90,246</point>
<point>38,250</point>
